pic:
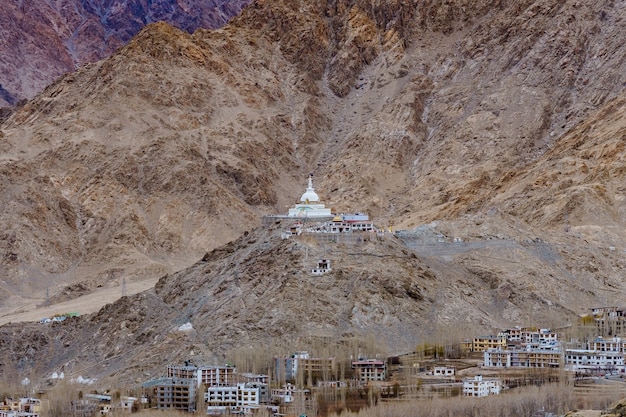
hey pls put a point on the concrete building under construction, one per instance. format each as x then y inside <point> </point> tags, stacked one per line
<point>172,393</point>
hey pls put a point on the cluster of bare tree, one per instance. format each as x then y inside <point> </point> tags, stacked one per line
<point>526,402</point>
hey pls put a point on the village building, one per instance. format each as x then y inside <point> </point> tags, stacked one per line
<point>347,223</point>
<point>523,358</point>
<point>615,344</point>
<point>91,404</point>
<point>217,376</point>
<point>344,223</point>
<point>332,384</point>
<point>100,402</point>
<point>226,390</point>
<point>250,377</point>
<point>590,361</point>
<point>484,343</point>
<point>367,370</point>
<point>21,407</point>
<point>186,371</point>
<point>210,376</point>
<point>302,364</point>
<point>609,321</point>
<point>172,393</point>
<point>322,267</point>
<point>288,393</point>
<point>239,398</point>
<point>127,403</point>
<point>264,391</point>
<point>9,413</point>
<point>525,336</point>
<point>480,387</point>
<point>443,371</point>
<point>295,229</point>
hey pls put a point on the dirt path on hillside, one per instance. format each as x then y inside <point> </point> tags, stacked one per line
<point>88,303</point>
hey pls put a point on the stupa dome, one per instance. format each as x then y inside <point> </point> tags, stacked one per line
<point>310,196</point>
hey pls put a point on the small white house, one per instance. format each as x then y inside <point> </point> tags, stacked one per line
<point>479,387</point>
<point>126,403</point>
<point>288,393</point>
<point>443,371</point>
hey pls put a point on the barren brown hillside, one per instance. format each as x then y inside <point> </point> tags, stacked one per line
<point>258,291</point>
<point>41,40</point>
<point>497,124</point>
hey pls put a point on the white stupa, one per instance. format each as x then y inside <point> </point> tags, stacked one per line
<point>310,206</point>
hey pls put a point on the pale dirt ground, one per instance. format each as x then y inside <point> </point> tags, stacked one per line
<point>88,303</point>
<point>586,413</point>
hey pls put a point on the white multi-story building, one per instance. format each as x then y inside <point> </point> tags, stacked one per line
<point>524,358</point>
<point>217,376</point>
<point>479,387</point>
<point>211,376</point>
<point>221,397</point>
<point>225,399</point>
<point>593,360</point>
<point>539,337</point>
<point>615,344</point>
<point>530,336</point>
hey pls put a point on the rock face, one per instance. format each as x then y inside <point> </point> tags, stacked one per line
<point>496,124</point>
<point>42,40</point>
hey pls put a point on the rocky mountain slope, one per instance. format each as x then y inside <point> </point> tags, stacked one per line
<point>42,40</point>
<point>496,124</point>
